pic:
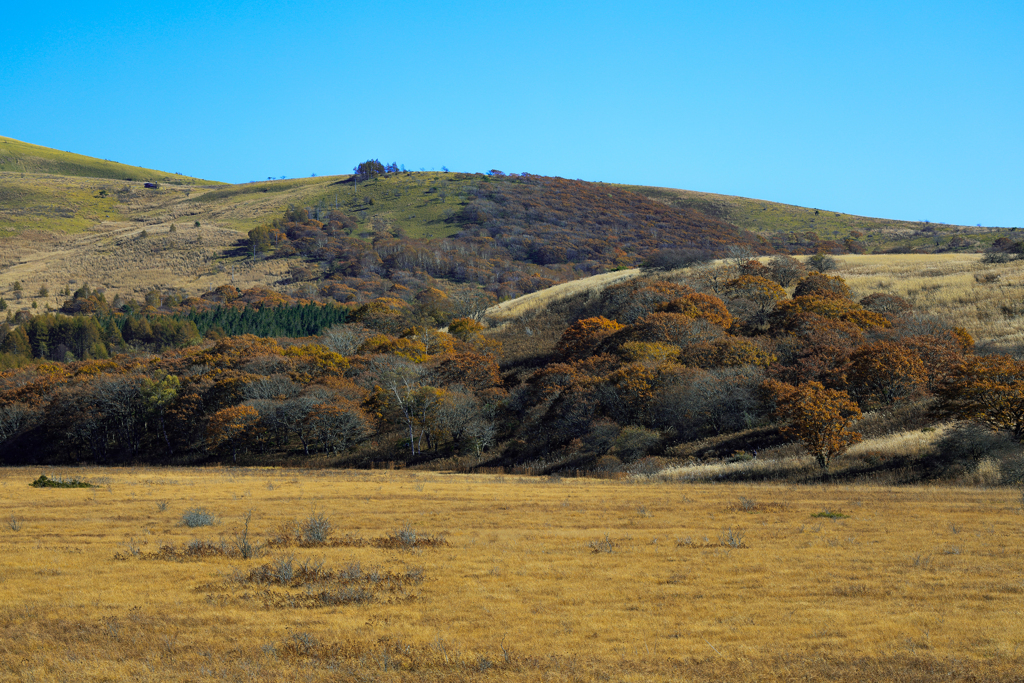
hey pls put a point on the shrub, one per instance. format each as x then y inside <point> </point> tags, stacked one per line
<point>315,529</point>
<point>822,262</point>
<point>407,536</point>
<point>605,546</point>
<point>243,545</point>
<point>730,538</point>
<point>59,483</point>
<point>830,514</point>
<point>197,517</point>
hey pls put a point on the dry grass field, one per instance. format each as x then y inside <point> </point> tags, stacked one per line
<point>535,579</point>
<point>537,301</point>
<point>120,260</point>
<point>986,299</point>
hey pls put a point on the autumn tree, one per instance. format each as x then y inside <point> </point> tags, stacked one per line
<point>819,284</point>
<point>820,418</point>
<point>754,298</point>
<point>337,425</point>
<point>465,329</point>
<point>699,306</point>
<point>790,314</point>
<point>816,349</point>
<point>631,300</point>
<point>670,328</point>
<point>229,426</point>
<point>884,372</point>
<point>986,389</point>
<point>785,269</point>
<point>583,336</point>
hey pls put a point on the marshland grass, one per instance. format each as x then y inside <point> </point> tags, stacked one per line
<point>535,580</point>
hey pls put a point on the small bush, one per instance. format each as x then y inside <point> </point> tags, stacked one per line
<point>283,569</point>
<point>59,483</point>
<point>15,524</point>
<point>407,536</point>
<point>730,538</point>
<point>196,517</point>
<point>830,514</point>
<point>315,529</point>
<point>605,546</point>
<point>822,262</point>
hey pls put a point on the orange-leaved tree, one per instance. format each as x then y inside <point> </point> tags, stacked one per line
<point>819,284</point>
<point>231,425</point>
<point>583,336</point>
<point>987,389</point>
<point>755,298</point>
<point>884,372</point>
<point>818,417</point>
<point>702,306</point>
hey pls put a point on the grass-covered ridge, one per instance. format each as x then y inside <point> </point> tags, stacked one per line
<point>806,229</point>
<point>22,157</point>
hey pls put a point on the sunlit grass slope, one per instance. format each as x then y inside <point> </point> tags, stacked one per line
<point>568,580</point>
<point>422,204</point>
<point>47,189</point>
<point>23,157</point>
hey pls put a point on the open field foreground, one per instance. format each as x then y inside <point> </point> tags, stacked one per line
<point>427,576</point>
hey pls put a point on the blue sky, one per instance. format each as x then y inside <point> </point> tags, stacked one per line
<point>909,110</point>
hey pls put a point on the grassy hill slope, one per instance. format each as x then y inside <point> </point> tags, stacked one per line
<point>787,225</point>
<point>22,157</point>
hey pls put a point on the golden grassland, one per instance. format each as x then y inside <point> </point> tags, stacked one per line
<point>986,299</point>
<point>538,301</point>
<point>574,580</point>
<point>121,260</point>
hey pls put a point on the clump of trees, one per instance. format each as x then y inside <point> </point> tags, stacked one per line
<point>765,349</point>
<point>373,168</point>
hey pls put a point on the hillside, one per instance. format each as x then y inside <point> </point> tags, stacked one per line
<point>489,237</point>
<point>805,230</point>
<point>22,157</point>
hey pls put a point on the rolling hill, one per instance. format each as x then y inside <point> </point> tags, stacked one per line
<point>802,228</point>
<point>22,157</point>
<point>67,219</point>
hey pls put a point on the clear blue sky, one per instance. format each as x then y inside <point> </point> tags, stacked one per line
<point>910,110</point>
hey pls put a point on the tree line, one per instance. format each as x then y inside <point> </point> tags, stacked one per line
<point>636,372</point>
